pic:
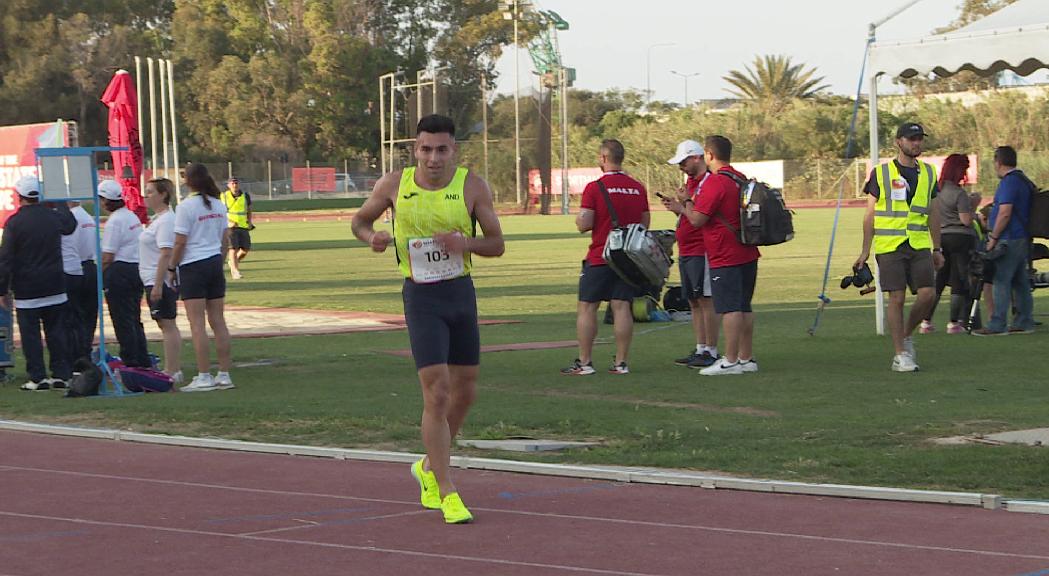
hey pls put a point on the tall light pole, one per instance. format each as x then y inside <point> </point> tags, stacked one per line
<point>512,11</point>
<point>686,77</point>
<point>648,69</point>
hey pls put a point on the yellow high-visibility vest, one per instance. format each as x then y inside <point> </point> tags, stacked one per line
<point>896,221</point>
<point>236,208</point>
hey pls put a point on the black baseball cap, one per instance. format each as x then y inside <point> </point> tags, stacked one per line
<point>910,129</point>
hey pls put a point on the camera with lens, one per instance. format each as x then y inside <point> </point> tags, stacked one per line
<point>861,278</point>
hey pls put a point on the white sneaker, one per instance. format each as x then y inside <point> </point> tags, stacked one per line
<point>201,383</point>
<point>749,365</point>
<point>904,363</point>
<point>223,381</point>
<point>177,378</point>
<point>722,367</point>
<point>908,345</point>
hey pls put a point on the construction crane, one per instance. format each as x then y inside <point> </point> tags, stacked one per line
<point>555,78</point>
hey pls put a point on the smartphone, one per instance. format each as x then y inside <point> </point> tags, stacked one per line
<point>663,197</point>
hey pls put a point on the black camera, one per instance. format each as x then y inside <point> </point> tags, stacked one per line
<point>861,278</point>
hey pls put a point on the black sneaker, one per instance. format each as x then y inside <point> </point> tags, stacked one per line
<point>579,369</point>
<point>620,368</point>
<point>58,384</point>
<point>687,360</point>
<point>703,360</point>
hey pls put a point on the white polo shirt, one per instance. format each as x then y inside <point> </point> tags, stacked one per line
<point>202,227</point>
<point>86,233</point>
<point>159,234</point>
<point>120,236</point>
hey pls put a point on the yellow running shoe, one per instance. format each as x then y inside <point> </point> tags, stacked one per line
<point>430,494</point>
<point>455,511</point>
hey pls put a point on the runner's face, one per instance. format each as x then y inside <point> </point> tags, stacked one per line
<point>434,152</point>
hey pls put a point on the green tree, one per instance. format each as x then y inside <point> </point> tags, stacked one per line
<point>774,80</point>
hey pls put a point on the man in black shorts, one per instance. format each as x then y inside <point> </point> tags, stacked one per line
<point>597,281</point>
<point>435,205</point>
<point>238,212</point>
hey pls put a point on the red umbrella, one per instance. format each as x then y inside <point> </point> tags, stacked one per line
<point>119,97</point>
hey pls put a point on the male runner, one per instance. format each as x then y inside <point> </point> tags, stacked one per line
<point>436,205</point>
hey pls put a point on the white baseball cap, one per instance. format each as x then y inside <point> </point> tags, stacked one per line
<point>28,187</point>
<point>684,150</point>
<point>110,190</point>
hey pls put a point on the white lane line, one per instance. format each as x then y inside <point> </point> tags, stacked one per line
<point>376,549</point>
<point>560,516</point>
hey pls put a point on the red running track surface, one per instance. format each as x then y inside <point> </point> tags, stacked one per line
<point>90,507</point>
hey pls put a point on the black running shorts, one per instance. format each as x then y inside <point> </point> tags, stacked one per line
<point>167,307</point>
<point>695,283</point>
<point>202,279</point>
<point>240,239</point>
<point>601,284</point>
<point>442,322</point>
<point>733,287</point>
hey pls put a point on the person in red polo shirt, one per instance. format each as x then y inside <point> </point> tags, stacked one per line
<point>695,270</point>
<point>733,266</point>
<point>597,281</point>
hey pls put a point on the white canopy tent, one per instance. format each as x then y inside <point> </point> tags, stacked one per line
<point>1014,38</point>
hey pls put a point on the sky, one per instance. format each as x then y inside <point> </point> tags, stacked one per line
<point>609,41</point>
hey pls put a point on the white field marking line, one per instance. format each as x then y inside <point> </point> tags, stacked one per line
<point>311,524</point>
<point>330,545</point>
<point>558,516</point>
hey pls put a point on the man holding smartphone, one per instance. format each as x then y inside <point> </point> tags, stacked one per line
<point>695,270</point>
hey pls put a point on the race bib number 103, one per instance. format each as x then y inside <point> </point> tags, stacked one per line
<point>430,262</point>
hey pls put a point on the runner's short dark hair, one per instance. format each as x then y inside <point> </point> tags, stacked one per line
<point>719,147</point>
<point>614,149</point>
<point>436,124</point>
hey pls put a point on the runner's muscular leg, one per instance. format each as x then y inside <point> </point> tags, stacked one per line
<point>435,381</point>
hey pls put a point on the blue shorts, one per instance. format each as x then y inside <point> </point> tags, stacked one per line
<point>601,284</point>
<point>733,287</point>
<point>442,322</point>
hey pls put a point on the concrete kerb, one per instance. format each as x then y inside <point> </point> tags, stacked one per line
<point>607,473</point>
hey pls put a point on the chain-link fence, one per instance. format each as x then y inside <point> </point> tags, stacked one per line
<point>277,180</point>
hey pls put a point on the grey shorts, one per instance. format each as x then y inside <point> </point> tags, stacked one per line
<point>906,267</point>
<point>695,277</point>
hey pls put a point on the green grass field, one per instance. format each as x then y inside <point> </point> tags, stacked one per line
<point>823,408</point>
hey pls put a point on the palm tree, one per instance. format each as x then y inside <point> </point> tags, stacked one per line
<point>774,80</point>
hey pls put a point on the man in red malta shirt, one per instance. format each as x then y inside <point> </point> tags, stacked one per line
<point>733,265</point>
<point>692,261</point>
<point>597,281</point>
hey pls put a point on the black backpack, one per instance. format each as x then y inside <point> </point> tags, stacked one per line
<point>1038,215</point>
<point>764,217</point>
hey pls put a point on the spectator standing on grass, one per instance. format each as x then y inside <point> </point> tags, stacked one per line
<point>120,278</point>
<point>154,257</point>
<point>958,239</point>
<point>436,205</point>
<point>597,281</point>
<point>692,255</point>
<point>31,269</point>
<point>201,239</point>
<point>238,213</point>
<point>733,265</point>
<point>1008,223</point>
<point>905,232</point>
<point>86,302</point>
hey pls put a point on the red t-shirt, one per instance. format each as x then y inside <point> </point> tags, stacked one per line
<point>630,200</point>
<point>690,238</point>
<point>719,199</point>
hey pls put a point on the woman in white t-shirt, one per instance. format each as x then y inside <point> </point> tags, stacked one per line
<point>201,238</point>
<point>154,254</point>
<point>120,275</point>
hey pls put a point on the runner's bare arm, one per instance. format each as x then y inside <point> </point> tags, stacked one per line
<point>479,201</point>
<point>381,198</point>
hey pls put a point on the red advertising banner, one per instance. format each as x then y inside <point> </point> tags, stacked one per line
<point>578,178</point>
<point>17,157</point>
<point>313,180</point>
